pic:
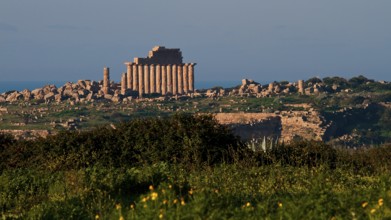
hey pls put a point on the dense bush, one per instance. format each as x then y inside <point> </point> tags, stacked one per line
<point>359,80</point>
<point>313,80</point>
<point>369,160</point>
<point>299,153</point>
<point>5,141</point>
<point>341,82</point>
<point>315,154</point>
<point>185,139</point>
<point>192,141</point>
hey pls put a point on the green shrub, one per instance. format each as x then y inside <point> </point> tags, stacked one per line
<point>335,80</point>
<point>69,209</point>
<point>300,153</point>
<point>184,139</point>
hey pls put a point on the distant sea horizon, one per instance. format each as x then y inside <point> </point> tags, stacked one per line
<point>6,86</point>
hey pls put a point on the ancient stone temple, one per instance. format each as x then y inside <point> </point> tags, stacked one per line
<point>162,72</point>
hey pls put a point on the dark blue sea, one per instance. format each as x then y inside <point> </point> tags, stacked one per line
<point>21,85</point>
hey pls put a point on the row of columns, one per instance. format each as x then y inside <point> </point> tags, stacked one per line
<point>155,78</point>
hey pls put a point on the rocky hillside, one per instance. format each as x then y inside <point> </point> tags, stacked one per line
<point>284,125</point>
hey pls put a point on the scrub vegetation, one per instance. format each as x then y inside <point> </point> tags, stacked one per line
<point>188,167</point>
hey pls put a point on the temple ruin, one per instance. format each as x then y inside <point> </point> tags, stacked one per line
<point>162,72</point>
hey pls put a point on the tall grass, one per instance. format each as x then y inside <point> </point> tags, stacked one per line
<point>188,167</point>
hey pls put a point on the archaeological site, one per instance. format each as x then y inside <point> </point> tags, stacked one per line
<point>162,72</point>
<point>162,84</point>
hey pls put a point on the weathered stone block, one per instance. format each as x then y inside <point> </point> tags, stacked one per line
<point>49,97</point>
<point>108,96</point>
<point>13,97</point>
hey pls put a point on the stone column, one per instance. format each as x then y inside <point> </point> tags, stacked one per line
<point>271,87</point>
<point>174,80</point>
<point>158,79</point>
<point>123,83</point>
<point>129,77</point>
<point>106,80</point>
<point>301,86</point>
<point>135,77</point>
<point>169,79</point>
<point>191,77</point>
<point>180,79</point>
<point>152,82</point>
<point>164,80</point>
<point>146,79</point>
<point>186,71</point>
<point>140,81</point>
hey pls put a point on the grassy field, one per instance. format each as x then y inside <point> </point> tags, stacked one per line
<point>221,192</point>
<point>188,167</point>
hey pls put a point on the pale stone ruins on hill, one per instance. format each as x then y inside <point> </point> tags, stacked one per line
<point>162,72</point>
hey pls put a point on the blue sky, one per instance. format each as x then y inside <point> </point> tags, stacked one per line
<point>263,40</point>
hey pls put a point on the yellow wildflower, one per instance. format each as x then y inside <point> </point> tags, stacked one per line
<point>380,202</point>
<point>248,204</point>
<point>364,204</point>
<point>169,186</point>
<point>118,206</point>
<point>191,192</point>
<point>373,211</point>
<point>151,187</point>
<point>96,216</point>
<point>154,195</point>
<point>131,206</point>
<point>165,201</point>
<point>121,218</point>
<point>183,202</point>
<point>279,204</point>
<point>175,201</point>
<point>161,216</point>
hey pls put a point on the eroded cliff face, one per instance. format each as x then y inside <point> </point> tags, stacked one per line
<point>285,125</point>
<point>354,126</point>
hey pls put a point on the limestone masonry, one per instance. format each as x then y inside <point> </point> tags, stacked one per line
<point>162,72</point>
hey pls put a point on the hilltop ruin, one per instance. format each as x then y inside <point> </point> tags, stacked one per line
<point>162,72</point>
